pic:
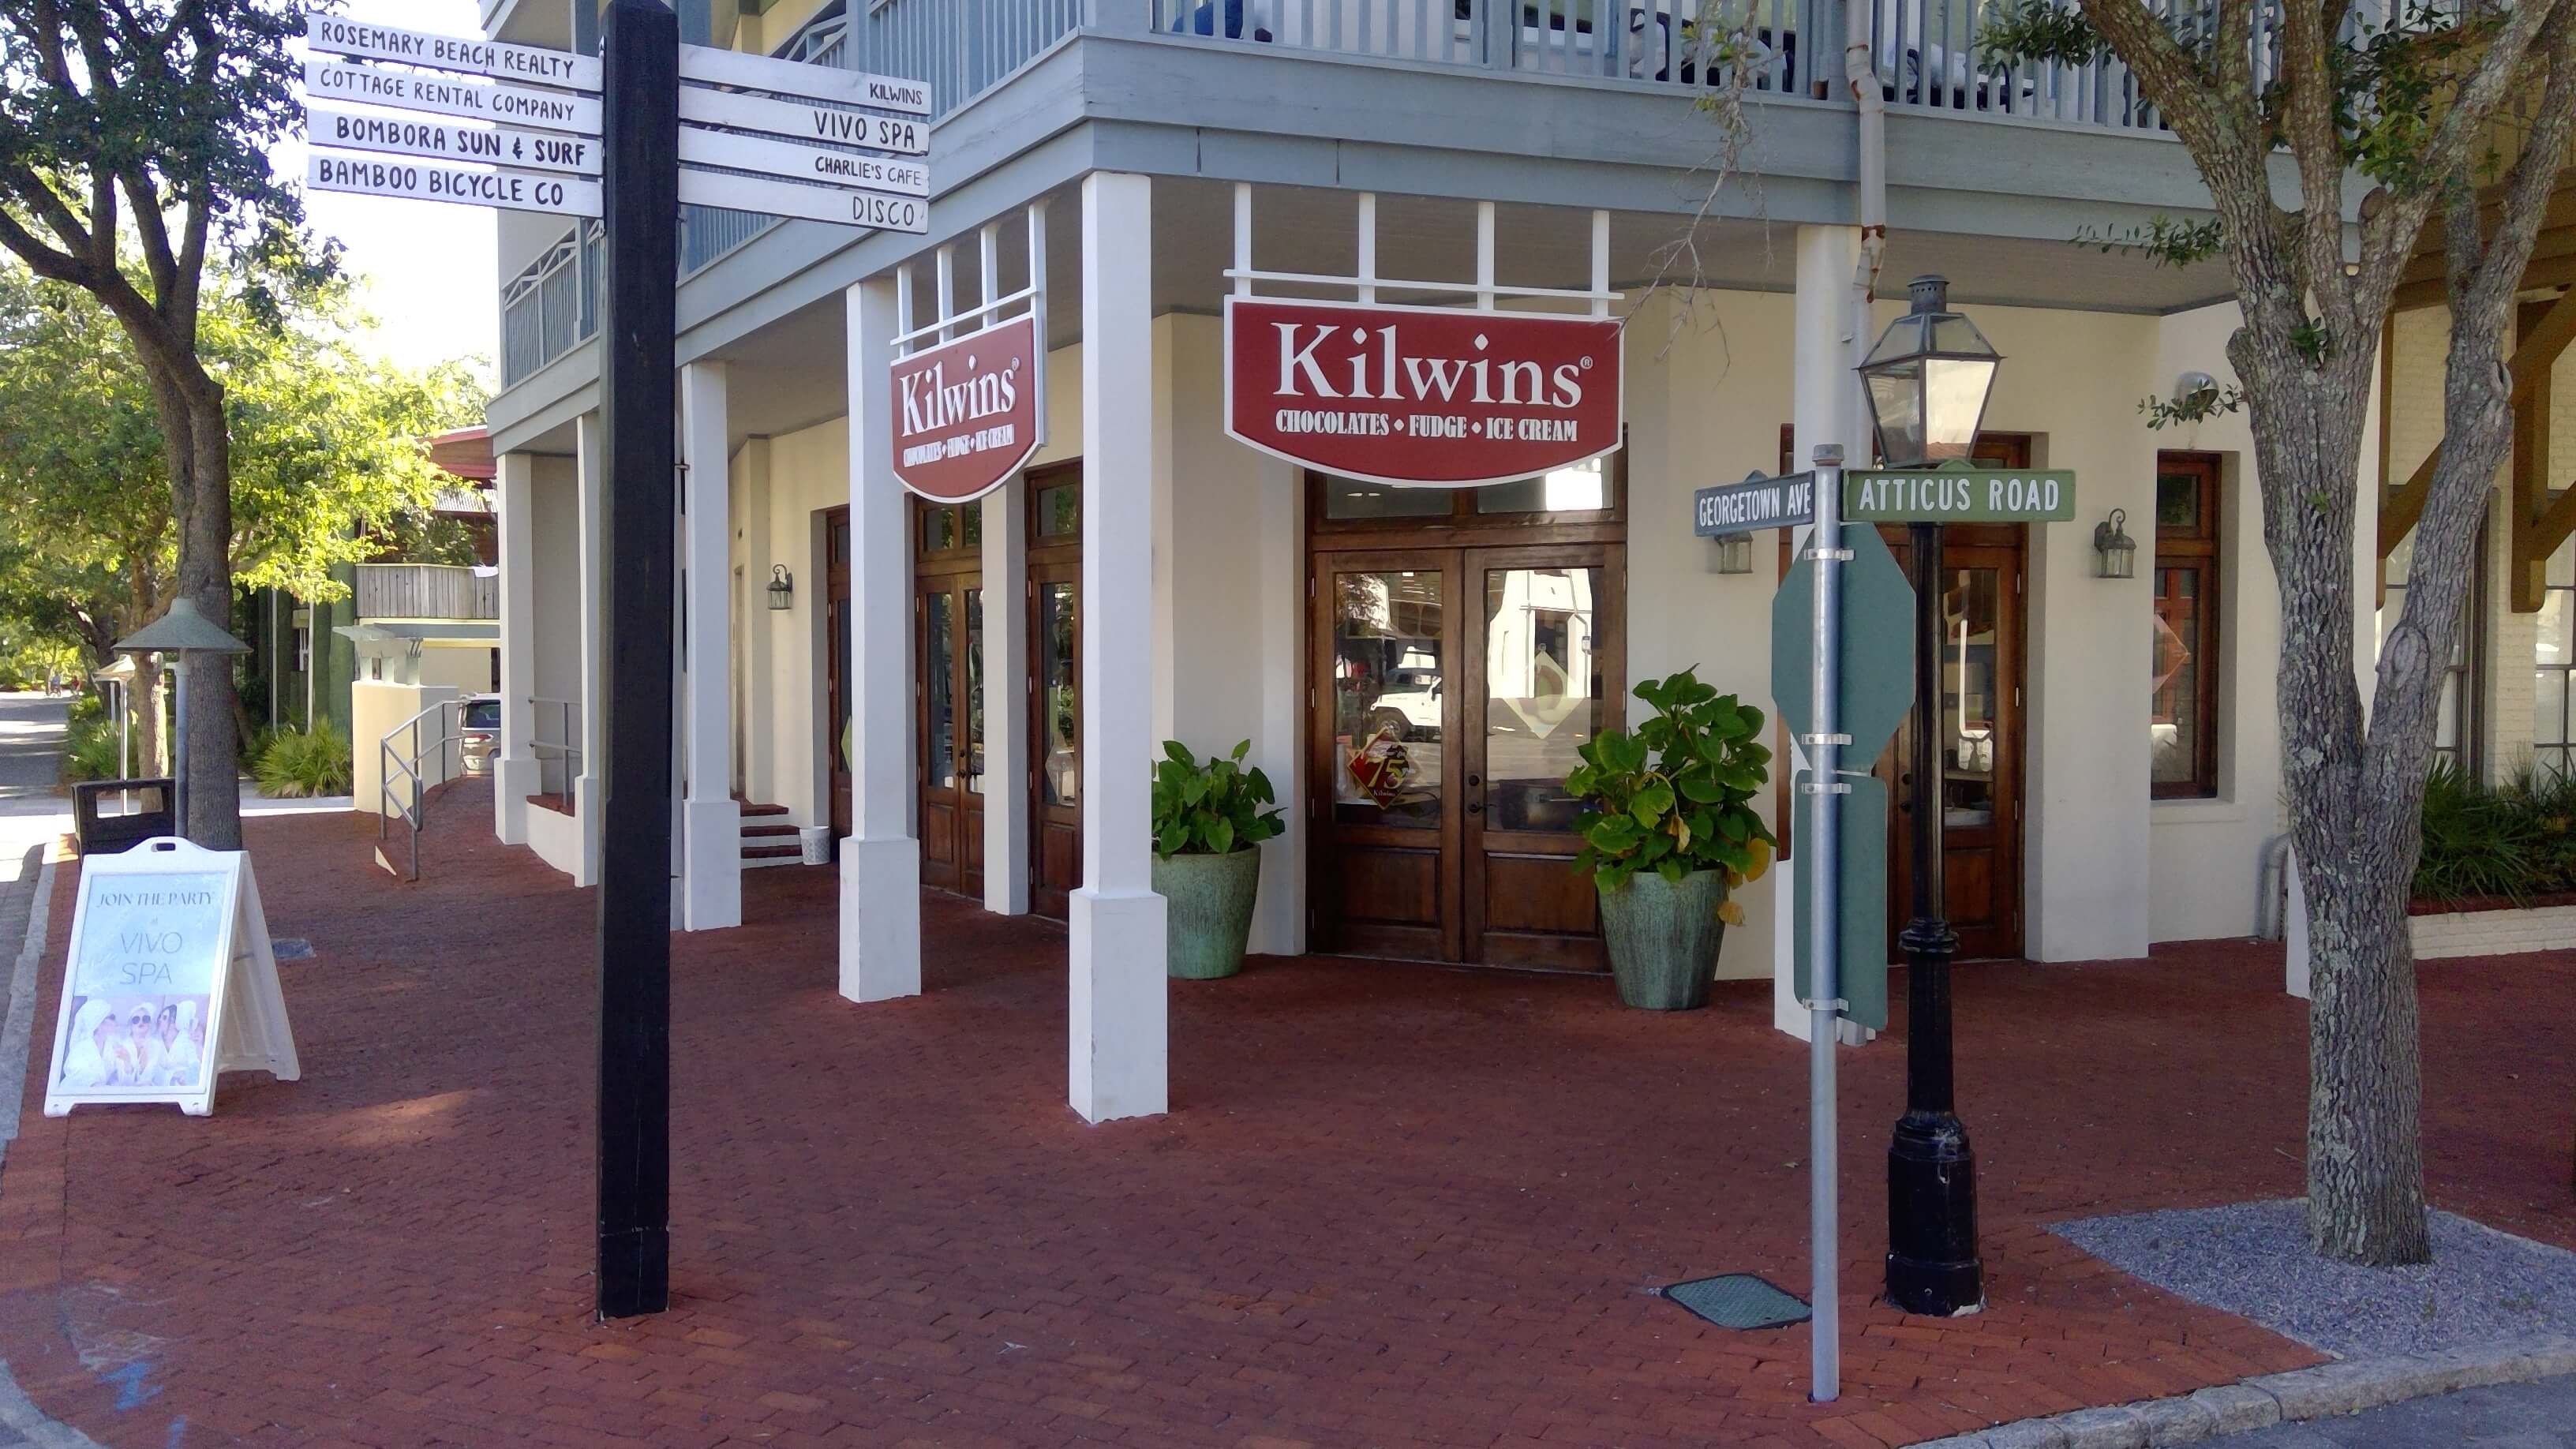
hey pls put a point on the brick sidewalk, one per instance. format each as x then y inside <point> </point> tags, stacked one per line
<point>1393,1205</point>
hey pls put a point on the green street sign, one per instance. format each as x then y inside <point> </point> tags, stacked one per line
<point>1877,647</point>
<point>1959,495</point>
<point>1860,900</point>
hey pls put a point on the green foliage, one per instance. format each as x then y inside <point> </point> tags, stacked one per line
<point>89,750</point>
<point>2199,407</point>
<point>87,706</point>
<point>2163,240</point>
<point>2040,32</point>
<point>1676,795</point>
<point>1210,809</point>
<point>294,764</point>
<point>2514,841</point>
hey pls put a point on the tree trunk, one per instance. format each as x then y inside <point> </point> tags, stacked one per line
<point>149,707</point>
<point>205,509</point>
<point>2366,1087</point>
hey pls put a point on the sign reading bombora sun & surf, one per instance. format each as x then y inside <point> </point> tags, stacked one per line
<point>966,411</point>
<point>1421,395</point>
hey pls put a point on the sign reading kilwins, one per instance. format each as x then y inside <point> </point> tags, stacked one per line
<point>1421,395</point>
<point>966,411</point>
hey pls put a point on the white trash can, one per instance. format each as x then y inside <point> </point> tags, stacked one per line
<point>817,840</point>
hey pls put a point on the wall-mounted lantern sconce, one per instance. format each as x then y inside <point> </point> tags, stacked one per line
<point>782,587</point>
<point>1734,554</point>
<point>2195,391</point>
<point>2118,553</point>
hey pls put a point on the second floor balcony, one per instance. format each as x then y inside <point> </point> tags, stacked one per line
<point>426,591</point>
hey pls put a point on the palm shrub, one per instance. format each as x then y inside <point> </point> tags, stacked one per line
<point>1676,795</point>
<point>89,750</point>
<point>1210,809</point>
<point>299,763</point>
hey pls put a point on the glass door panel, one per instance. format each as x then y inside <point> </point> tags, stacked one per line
<point>1389,697</point>
<point>938,692</point>
<point>974,753</point>
<point>1055,724</point>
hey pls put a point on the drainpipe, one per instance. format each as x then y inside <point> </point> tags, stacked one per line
<point>1860,71</point>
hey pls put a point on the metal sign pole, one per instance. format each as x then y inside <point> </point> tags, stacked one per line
<point>639,42</point>
<point>1824,784</point>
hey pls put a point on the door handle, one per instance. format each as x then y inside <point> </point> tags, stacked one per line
<point>1475,780</point>
<point>1475,807</point>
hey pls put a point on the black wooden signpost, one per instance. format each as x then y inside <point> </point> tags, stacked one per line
<point>639,45</point>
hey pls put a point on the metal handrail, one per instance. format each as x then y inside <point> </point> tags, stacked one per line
<point>413,810</point>
<point>567,749</point>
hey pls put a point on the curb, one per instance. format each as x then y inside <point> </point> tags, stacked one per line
<point>18,1029</point>
<point>2345,1387</point>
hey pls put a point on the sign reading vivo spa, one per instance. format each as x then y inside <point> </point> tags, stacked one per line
<point>170,980</point>
<point>1421,395</point>
<point>966,411</point>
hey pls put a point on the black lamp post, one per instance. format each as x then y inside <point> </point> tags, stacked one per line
<point>1928,378</point>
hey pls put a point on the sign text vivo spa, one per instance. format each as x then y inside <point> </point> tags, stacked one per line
<point>1421,395</point>
<point>966,411</point>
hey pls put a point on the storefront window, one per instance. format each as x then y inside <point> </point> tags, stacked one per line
<point>1583,488</point>
<point>1059,511</point>
<point>1579,489</point>
<point>2553,659</point>
<point>1351,498</point>
<point>1389,698</point>
<point>1543,682</point>
<point>1060,765</point>
<point>2183,714</point>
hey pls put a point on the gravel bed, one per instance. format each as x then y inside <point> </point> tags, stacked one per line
<point>2252,1259</point>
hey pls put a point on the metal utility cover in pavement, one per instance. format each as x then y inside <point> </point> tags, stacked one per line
<point>1877,647</point>
<point>1739,1300</point>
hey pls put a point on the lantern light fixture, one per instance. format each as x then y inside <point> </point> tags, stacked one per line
<point>782,587</point>
<point>1927,380</point>
<point>2117,553</point>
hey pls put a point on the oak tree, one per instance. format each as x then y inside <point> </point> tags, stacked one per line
<point>2455,115</point>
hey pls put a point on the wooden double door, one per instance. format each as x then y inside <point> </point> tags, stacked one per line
<point>1452,687</point>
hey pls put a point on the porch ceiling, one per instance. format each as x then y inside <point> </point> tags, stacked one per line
<point>791,373</point>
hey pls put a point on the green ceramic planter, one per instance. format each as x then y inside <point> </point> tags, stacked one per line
<point>1663,938</point>
<point>1210,917</point>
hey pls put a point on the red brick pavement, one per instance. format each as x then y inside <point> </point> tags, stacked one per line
<point>1393,1205</point>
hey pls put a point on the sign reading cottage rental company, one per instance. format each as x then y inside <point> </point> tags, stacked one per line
<point>1421,395</point>
<point>966,411</point>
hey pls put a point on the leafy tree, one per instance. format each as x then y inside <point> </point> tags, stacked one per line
<point>139,130</point>
<point>2386,127</point>
<point>325,453</point>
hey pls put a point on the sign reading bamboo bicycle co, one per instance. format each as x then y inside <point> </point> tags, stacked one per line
<point>966,411</point>
<point>1959,495</point>
<point>1421,395</point>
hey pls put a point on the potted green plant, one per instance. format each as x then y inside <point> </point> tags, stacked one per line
<point>1208,823</point>
<point>1670,833</point>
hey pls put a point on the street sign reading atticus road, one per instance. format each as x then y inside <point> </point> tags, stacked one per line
<point>434,140</point>
<point>443,96</point>
<point>1755,503</point>
<point>432,181</point>
<point>1959,495</point>
<point>494,58</point>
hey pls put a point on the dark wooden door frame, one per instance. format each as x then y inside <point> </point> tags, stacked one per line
<point>1049,561</point>
<point>836,652</point>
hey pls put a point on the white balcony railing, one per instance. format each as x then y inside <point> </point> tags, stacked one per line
<point>426,591</point>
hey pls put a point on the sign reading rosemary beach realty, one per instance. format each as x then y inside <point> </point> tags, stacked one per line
<point>966,411</point>
<point>1421,395</point>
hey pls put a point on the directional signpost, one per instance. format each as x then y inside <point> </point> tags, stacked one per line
<point>1756,503</point>
<point>528,129</point>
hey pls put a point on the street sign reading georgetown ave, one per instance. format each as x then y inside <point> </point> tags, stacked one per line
<point>1754,504</point>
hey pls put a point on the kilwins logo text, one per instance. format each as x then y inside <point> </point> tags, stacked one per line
<point>931,402</point>
<point>1371,364</point>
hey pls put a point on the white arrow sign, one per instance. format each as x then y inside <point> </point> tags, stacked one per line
<point>803,122</point>
<point>810,203</point>
<point>803,163</point>
<point>800,78</point>
<point>452,141</point>
<point>433,181</point>
<point>452,52</point>
<point>411,91</point>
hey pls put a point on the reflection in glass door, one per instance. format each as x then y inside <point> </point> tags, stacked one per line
<point>1055,688</point>
<point>1455,686</point>
<point>1981,744</point>
<point>948,650</point>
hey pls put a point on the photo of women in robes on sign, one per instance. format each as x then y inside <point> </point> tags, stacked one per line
<point>142,988</point>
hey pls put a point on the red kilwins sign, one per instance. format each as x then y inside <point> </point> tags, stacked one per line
<point>966,412</point>
<point>1420,395</point>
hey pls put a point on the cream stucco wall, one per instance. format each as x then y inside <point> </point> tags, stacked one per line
<point>2105,873</point>
<point>555,547</point>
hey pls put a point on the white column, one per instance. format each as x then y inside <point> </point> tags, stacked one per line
<point>593,695</point>
<point>711,820</point>
<point>514,771</point>
<point>1825,407</point>
<point>881,861</point>
<point>1120,1038</point>
<point>1279,924</point>
<point>1006,715</point>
